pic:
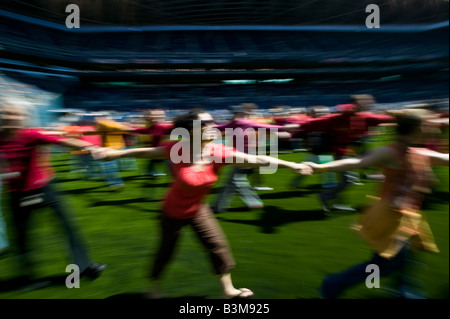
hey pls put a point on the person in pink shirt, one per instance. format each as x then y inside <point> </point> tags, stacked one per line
<point>195,170</point>
<point>23,151</point>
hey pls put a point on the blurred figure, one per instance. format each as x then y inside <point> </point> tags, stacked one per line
<point>21,150</point>
<point>185,203</point>
<point>237,182</point>
<point>394,226</point>
<point>82,130</point>
<point>345,131</point>
<point>317,144</point>
<point>112,135</point>
<point>154,134</point>
<point>91,168</point>
<point>4,240</point>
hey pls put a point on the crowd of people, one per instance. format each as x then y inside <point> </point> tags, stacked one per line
<point>103,147</point>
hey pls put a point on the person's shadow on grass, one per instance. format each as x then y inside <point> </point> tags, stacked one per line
<point>25,284</point>
<point>273,216</point>
<point>121,202</point>
<point>140,295</point>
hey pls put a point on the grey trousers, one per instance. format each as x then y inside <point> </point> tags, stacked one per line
<point>237,183</point>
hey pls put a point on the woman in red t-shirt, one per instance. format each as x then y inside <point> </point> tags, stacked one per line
<point>195,170</point>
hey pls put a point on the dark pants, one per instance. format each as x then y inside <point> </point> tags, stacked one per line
<point>24,203</point>
<point>153,165</point>
<point>332,193</point>
<point>208,231</point>
<point>334,285</point>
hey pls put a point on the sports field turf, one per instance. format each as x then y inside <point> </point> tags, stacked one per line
<point>282,251</point>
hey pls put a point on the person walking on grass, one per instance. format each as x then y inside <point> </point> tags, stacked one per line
<point>4,240</point>
<point>185,203</point>
<point>32,186</point>
<point>394,226</point>
<point>245,140</point>
<point>343,131</point>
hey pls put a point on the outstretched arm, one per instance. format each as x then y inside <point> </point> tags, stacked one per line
<point>379,157</point>
<point>108,154</point>
<point>74,143</point>
<point>241,159</point>
<point>436,158</point>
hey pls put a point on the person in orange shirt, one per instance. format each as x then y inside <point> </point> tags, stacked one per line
<point>394,226</point>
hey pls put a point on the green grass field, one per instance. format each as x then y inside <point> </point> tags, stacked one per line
<point>282,251</point>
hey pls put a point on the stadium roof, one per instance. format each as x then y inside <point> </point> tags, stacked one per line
<point>231,12</point>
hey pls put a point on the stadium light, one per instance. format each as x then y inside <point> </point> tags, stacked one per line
<point>257,81</point>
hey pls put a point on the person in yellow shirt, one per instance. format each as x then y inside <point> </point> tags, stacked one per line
<point>112,136</point>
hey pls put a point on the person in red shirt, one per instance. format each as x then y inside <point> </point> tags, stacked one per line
<point>195,170</point>
<point>342,131</point>
<point>22,151</point>
<point>155,131</point>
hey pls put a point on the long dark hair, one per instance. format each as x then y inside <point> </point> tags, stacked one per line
<point>407,123</point>
<point>187,120</point>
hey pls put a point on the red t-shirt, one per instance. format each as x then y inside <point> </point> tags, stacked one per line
<point>190,186</point>
<point>93,139</point>
<point>343,128</point>
<point>157,131</point>
<point>23,153</point>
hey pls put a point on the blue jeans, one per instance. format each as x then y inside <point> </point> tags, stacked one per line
<point>335,284</point>
<point>127,164</point>
<point>93,168</point>
<point>111,173</point>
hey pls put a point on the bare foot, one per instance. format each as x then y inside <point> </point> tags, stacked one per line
<point>239,293</point>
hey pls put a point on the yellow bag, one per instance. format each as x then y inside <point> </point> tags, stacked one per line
<point>386,229</point>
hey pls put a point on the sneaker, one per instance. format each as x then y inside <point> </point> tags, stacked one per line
<point>376,177</point>
<point>344,207</point>
<point>116,187</point>
<point>354,179</point>
<point>93,271</point>
<point>159,174</point>
<point>263,188</point>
